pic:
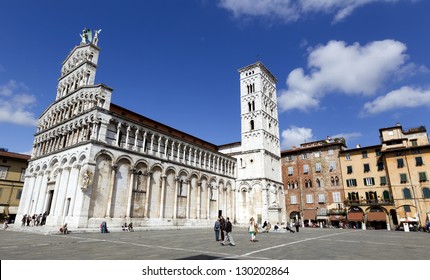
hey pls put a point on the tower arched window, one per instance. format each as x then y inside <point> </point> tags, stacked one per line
<point>249,106</point>
<point>251,123</point>
<point>253,105</point>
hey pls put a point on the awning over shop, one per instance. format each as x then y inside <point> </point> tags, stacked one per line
<point>409,219</point>
<point>337,218</point>
<point>322,217</point>
<point>376,216</point>
<point>13,210</point>
<point>309,214</point>
<point>355,217</point>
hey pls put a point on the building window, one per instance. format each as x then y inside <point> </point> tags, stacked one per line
<point>309,198</point>
<point>403,178</point>
<point>426,192</point>
<point>290,171</point>
<point>371,195</point>
<point>289,158</point>
<point>414,143</point>
<point>3,172</point>
<point>400,163</point>
<point>317,154</point>
<point>383,180</point>
<point>318,183</point>
<point>304,156</point>
<point>380,165</point>
<point>308,184</point>
<point>422,176</point>
<point>305,169</point>
<point>353,196</point>
<point>366,167</point>
<point>334,181</point>
<point>22,177</point>
<point>407,208</point>
<point>407,193</point>
<point>386,195</point>
<point>419,161</point>
<point>318,167</point>
<point>332,165</point>
<point>321,198</point>
<point>351,183</point>
<point>364,154</point>
<point>293,199</point>
<point>378,152</point>
<point>349,169</point>
<point>251,123</point>
<point>370,181</point>
<point>18,194</point>
<point>347,156</point>
<point>336,197</point>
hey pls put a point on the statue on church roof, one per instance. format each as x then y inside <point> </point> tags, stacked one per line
<point>87,36</point>
<point>96,36</point>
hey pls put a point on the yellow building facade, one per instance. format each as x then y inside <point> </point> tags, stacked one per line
<point>407,157</point>
<point>12,171</point>
<point>368,199</point>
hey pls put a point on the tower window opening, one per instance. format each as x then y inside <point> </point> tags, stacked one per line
<point>252,124</point>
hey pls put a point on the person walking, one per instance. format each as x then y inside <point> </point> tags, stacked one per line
<point>103,227</point>
<point>222,227</point>
<point>253,229</point>
<point>297,225</point>
<point>228,235</point>
<point>217,228</point>
<point>289,229</point>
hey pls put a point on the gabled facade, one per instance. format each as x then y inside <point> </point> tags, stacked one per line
<point>95,161</point>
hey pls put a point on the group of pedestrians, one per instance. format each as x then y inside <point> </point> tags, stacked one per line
<point>223,229</point>
<point>34,220</point>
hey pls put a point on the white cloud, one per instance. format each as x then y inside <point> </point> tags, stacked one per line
<point>292,10</point>
<point>347,69</point>
<point>15,104</point>
<point>405,97</point>
<point>294,136</point>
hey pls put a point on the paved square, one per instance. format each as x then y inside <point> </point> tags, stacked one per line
<point>200,244</point>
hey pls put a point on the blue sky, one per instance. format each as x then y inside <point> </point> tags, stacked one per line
<point>344,68</point>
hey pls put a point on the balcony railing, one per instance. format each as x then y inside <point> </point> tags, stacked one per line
<point>359,202</point>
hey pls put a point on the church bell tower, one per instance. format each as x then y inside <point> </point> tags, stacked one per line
<point>259,165</point>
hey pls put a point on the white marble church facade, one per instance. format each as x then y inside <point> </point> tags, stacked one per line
<point>95,161</point>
